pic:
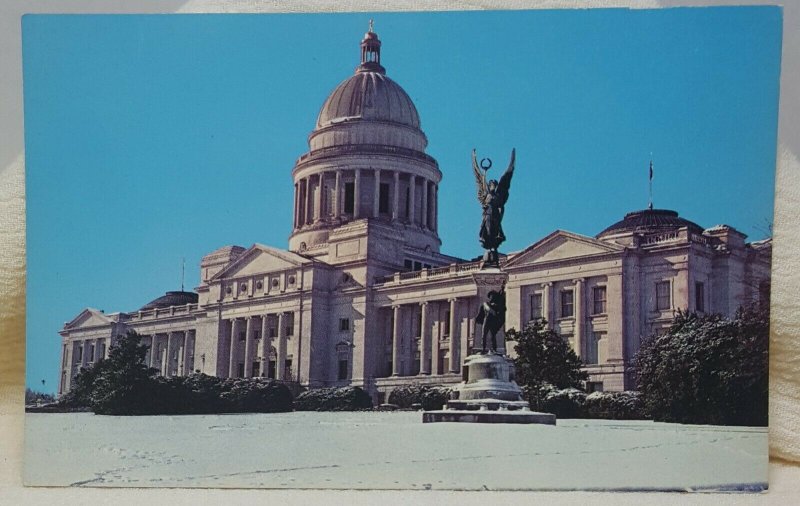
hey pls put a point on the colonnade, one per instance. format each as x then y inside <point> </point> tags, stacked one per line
<point>172,353</point>
<point>314,202</point>
<point>252,341</point>
<point>431,348</point>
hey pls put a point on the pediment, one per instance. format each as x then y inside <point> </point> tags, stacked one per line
<point>260,259</point>
<point>88,318</point>
<point>561,245</point>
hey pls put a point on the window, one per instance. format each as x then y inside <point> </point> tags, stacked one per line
<point>288,372</point>
<point>256,335</point>
<point>289,319</point>
<point>256,369</point>
<point>79,355</point>
<point>417,266</point>
<point>419,326</point>
<point>242,335</point>
<point>536,306</point>
<point>446,331</point>
<point>344,324</point>
<point>342,369</point>
<point>383,198</point>
<point>426,266</point>
<point>408,202</point>
<point>663,295</point>
<point>699,297</point>
<point>349,197</point>
<point>599,293</point>
<point>594,353</point>
<point>567,304</point>
<point>408,264</point>
<point>271,369</point>
<point>241,370</point>
<point>594,386</point>
<point>91,353</point>
<point>273,332</point>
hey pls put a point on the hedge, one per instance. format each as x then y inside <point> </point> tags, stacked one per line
<point>333,399</point>
<point>429,397</point>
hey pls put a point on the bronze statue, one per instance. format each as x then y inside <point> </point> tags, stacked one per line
<point>492,316</point>
<point>492,196</point>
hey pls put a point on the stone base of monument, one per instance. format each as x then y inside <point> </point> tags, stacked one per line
<point>489,394</point>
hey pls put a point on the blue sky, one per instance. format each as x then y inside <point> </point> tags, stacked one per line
<point>152,138</point>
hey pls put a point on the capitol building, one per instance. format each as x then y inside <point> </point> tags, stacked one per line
<point>364,296</point>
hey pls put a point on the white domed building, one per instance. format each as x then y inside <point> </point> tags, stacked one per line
<point>363,296</point>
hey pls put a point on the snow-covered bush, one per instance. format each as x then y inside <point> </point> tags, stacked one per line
<point>564,403</point>
<point>614,405</point>
<point>427,396</point>
<point>707,369</point>
<point>333,399</point>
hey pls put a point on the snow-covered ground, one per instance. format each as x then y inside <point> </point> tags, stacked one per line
<point>385,450</point>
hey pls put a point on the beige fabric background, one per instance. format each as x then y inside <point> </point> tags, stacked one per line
<point>785,347</point>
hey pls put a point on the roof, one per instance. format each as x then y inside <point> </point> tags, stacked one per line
<point>650,220</point>
<point>176,298</point>
<point>368,96</point>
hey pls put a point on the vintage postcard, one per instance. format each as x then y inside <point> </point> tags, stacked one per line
<point>506,250</point>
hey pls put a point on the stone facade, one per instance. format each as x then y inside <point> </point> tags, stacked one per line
<point>363,296</point>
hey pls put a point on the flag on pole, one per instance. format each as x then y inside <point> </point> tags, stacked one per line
<point>651,170</point>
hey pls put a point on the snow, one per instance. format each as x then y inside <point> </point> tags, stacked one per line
<point>387,450</point>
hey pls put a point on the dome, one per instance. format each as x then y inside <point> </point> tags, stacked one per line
<point>368,109</point>
<point>368,95</point>
<point>171,299</point>
<point>648,221</point>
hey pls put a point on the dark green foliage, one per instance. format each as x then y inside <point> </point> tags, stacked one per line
<point>614,406</point>
<point>34,397</point>
<point>544,358</point>
<point>333,399</point>
<point>123,385</point>
<point>429,397</point>
<point>707,369</point>
<point>564,403</point>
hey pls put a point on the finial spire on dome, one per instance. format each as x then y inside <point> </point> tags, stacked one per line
<point>371,52</point>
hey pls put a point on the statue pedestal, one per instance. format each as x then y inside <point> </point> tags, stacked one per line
<point>487,280</point>
<point>489,395</point>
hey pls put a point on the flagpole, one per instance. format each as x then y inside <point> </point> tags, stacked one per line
<point>650,203</point>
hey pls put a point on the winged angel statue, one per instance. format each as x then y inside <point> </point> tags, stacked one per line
<point>492,196</point>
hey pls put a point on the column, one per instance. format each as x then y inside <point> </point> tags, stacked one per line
<point>318,200</point>
<point>84,352</point>
<point>424,340</point>
<point>265,347</point>
<point>356,193</point>
<point>376,197</point>
<point>233,366</point>
<point>168,361</point>
<point>280,360</point>
<point>454,336</point>
<point>248,348</point>
<point>464,350</point>
<point>580,339</point>
<point>309,203</point>
<point>396,196</point>
<point>547,303</point>
<point>187,367</point>
<point>153,350</point>
<point>424,208</point>
<point>435,351</point>
<point>337,196</point>
<point>301,199</point>
<point>296,196</point>
<point>411,197</point>
<point>435,208</point>
<point>396,341</point>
